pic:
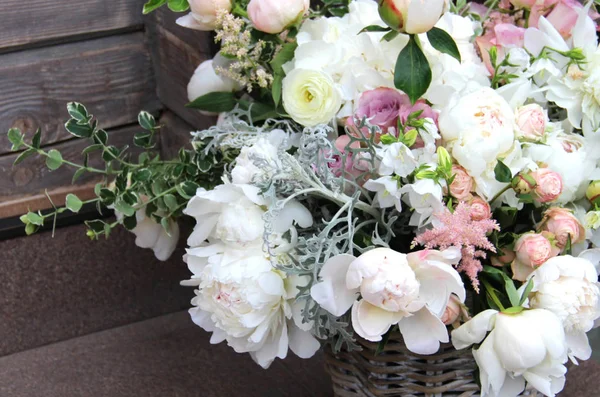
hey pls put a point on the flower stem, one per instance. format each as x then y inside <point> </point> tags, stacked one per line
<point>500,193</point>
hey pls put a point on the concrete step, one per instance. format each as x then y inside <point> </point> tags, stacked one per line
<point>162,357</point>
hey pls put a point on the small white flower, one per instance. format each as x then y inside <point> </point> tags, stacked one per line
<point>388,192</point>
<point>528,346</point>
<point>425,198</point>
<point>205,80</point>
<point>397,159</point>
<point>409,290</point>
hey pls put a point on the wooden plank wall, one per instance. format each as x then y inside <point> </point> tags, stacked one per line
<point>104,54</point>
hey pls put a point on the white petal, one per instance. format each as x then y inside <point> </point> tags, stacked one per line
<point>165,245</point>
<point>297,309</point>
<point>332,293</point>
<point>293,211</point>
<point>275,346</point>
<point>579,345</point>
<point>188,21</point>
<point>202,230</point>
<point>491,372</point>
<point>423,332</point>
<point>371,322</point>
<point>302,343</point>
<point>202,319</point>
<point>474,330</point>
<point>147,233</point>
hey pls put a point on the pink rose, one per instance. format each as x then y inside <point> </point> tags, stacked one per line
<point>462,185</point>
<point>562,223</point>
<point>532,250</point>
<point>531,120</point>
<point>381,107</point>
<point>548,185</point>
<point>274,16</point>
<point>506,258</point>
<point>564,16</point>
<point>480,209</point>
<point>454,311</point>
<point>501,35</point>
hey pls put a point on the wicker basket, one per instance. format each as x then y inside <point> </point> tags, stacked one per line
<point>398,372</point>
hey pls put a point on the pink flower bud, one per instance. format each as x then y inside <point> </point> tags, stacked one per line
<point>274,16</point>
<point>411,16</point>
<point>462,185</point>
<point>480,209</point>
<point>531,120</point>
<point>562,223</point>
<point>453,311</point>
<point>548,185</point>
<point>203,15</point>
<point>532,250</point>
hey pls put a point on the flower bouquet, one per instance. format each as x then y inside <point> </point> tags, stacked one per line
<point>395,179</point>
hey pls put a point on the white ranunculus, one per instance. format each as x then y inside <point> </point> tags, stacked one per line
<point>232,213</point>
<point>569,288</point>
<point>409,290</point>
<point>205,80</point>
<point>528,346</point>
<point>310,97</point>
<point>242,299</point>
<point>203,15</point>
<point>478,129</point>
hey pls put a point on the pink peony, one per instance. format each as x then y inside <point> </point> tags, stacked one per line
<point>381,107</point>
<point>548,185</point>
<point>531,120</point>
<point>462,185</point>
<point>532,250</point>
<point>562,223</point>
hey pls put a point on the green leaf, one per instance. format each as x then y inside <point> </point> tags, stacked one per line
<point>178,5</point>
<point>30,229</point>
<point>92,148</point>
<point>107,196</point>
<point>187,189</point>
<point>35,219</point>
<point>171,202</point>
<point>54,160</point>
<point>78,130</point>
<point>285,55</point>
<point>146,121</point>
<point>110,153</point>
<point>143,139</point>
<point>506,216</point>
<point>153,5</point>
<point>568,250</point>
<point>16,138</point>
<point>101,137</point>
<point>259,111</point>
<point>130,222</point>
<point>384,340</point>
<point>126,209</point>
<point>77,175</point>
<point>78,112</point>
<point>375,28</point>
<point>502,172</point>
<point>276,88</point>
<point>73,203</point>
<point>389,36</point>
<point>166,225</point>
<point>509,285</point>
<point>24,155</point>
<point>37,138</point>
<point>412,73</point>
<point>526,292</point>
<point>388,139</point>
<point>443,42</point>
<point>215,102</point>
<point>142,175</point>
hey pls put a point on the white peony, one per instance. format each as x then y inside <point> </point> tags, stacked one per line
<point>233,214</point>
<point>409,290</point>
<point>203,15</point>
<point>569,288</point>
<point>527,346</point>
<point>310,97</point>
<point>478,129</point>
<point>205,80</point>
<point>242,299</point>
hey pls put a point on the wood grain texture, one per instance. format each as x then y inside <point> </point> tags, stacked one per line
<point>23,185</point>
<point>112,76</point>
<point>175,133</point>
<point>26,22</point>
<point>176,52</point>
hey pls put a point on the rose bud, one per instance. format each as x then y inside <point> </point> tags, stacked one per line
<point>523,183</point>
<point>462,185</point>
<point>548,185</point>
<point>562,223</point>
<point>593,192</point>
<point>506,258</point>
<point>480,209</point>
<point>203,15</point>
<point>454,312</point>
<point>532,250</point>
<point>274,16</point>
<point>531,120</point>
<point>411,16</point>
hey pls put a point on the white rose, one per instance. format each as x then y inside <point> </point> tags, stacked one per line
<point>478,129</point>
<point>528,346</point>
<point>242,299</point>
<point>205,80</point>
<point>219,214</point>
<point>203,15</point>
<point>409,290</point>
<point>310,97</point>
<point>568,287</point>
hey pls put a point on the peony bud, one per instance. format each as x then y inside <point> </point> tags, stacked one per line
<point>593,192</point>
<point>411,16</point>
<point>203,15</point>
<point>548,185</point>
<point>531,120</point>
<point>462,185</point>
<point>480,209</point>
<point>562,223</point>
<point>274,16</point>
<point>523,183</point>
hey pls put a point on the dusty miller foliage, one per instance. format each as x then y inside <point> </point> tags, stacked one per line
<point>345,222</point>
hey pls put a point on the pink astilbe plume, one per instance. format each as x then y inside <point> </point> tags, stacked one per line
<point>458,229</point>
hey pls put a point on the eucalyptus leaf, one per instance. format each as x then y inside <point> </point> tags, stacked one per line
<point>443,42</point>
<point>412,72</point>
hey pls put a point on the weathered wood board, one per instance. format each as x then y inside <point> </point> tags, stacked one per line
<point>24,23</point>
<point>112,76</point>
